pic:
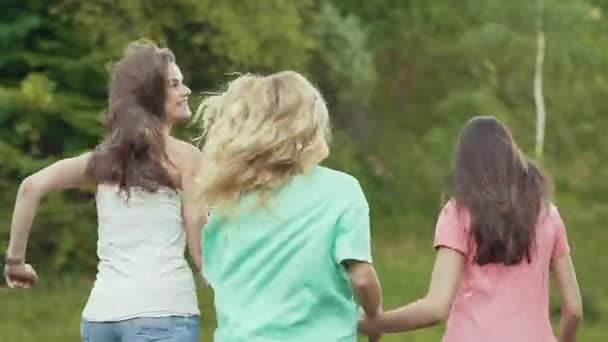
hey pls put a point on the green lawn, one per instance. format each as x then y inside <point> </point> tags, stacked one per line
<point>51,312</point>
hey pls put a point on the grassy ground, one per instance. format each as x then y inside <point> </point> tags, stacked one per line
<point>51,312</point>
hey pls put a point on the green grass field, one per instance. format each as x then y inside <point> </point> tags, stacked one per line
<point>51,312</point>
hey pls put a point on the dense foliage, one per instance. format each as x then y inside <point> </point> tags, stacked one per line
<point>401,77</point>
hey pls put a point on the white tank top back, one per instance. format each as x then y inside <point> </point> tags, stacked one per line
<point>142,269</point>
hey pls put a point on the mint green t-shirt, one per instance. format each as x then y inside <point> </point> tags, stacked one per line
<point>277,271</point>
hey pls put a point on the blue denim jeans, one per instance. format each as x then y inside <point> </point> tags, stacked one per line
<point>144,329</point>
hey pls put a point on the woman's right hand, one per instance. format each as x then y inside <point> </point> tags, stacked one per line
<point>370,328</point>
<point>20,276</point>
<point>63,174</point>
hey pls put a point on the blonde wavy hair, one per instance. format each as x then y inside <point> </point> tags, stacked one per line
<point>258,134</point>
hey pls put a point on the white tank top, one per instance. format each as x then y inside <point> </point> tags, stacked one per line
<point>142,270</point>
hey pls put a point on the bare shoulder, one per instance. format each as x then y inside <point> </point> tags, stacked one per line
<point>185,155</point>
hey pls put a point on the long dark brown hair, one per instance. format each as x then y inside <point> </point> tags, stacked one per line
<point>502,190</point>
<point>133,152</point>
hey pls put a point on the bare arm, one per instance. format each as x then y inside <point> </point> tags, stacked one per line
<point>193,212</point>
<point>195,216</point>
<point>431,309</point>
<point>366,287</point>
<point>572,307</point>
<point>63,174</point>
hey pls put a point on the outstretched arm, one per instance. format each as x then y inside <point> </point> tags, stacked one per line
<point>431,309</point>
<point>63,174</point>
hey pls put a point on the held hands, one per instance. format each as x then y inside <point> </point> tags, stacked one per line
<point>369,327</point>
<point>20,276</point>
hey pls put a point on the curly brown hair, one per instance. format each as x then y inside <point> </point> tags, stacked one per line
<point>133,152</point>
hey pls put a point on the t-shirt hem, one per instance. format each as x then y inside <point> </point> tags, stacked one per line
<point>367,260</point>
<point>443,245</point>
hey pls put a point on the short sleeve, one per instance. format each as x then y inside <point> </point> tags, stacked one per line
<point>560,246</point>
<point>450,231</point>
<point>353,239</point>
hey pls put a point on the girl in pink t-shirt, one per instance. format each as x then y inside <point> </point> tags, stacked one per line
<point>497,239</point>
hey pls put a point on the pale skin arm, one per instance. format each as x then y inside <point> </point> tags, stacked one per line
<point>193,212</point>
<point>367,290</point>
<point>64,174</point>
<point>430,310</point>
<point>366,287</point>
<point>572,307</point>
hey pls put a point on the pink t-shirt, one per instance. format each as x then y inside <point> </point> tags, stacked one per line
<point>501,303</point>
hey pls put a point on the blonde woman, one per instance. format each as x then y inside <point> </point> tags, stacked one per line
<point>287,247</point>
